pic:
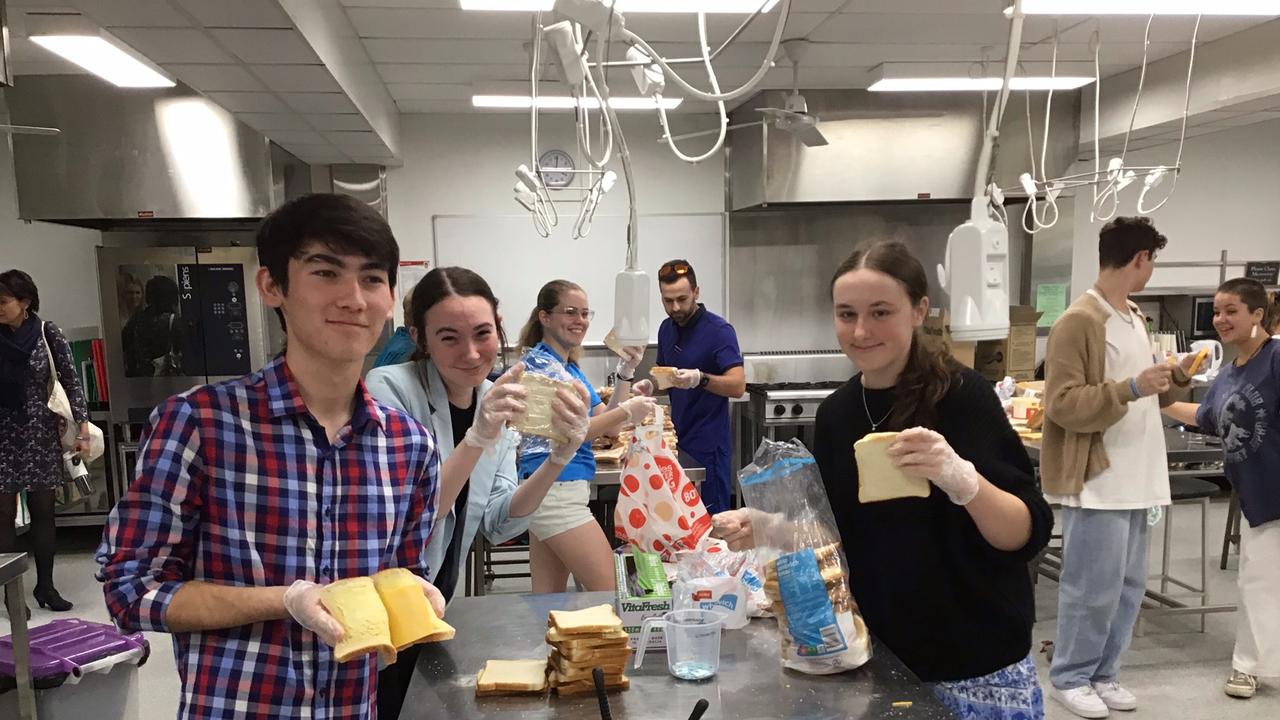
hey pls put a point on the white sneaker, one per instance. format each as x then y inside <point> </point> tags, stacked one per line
<point>1241,685</point>
<point>1082,701</point>
<point>1115,697</point>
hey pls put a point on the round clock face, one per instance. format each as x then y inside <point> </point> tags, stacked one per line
<point>556,167</point>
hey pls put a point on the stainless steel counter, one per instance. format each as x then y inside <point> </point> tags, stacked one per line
<point>751,682</point>
<point>12,566</point>
<point>1180,445</point>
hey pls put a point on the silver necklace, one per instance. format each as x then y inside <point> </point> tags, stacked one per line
<point>1126,318</point>
<point>867,409</point>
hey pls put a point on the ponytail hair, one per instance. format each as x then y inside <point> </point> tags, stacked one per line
<point>929,371</point>
<point>548,298</point>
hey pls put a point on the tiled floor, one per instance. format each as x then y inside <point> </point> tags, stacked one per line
<point>1175,671</point>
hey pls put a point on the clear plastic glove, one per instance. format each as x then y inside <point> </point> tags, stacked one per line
<point>630,360</point>
<point>927,454</point>
<point>643,387</point>
<point>571,417</point>
<point>687,379</point>
<point>735,528</point>
<point>302,600</point>
<point>504,402</point>
<point>433,595</point>
<point>638,408</point>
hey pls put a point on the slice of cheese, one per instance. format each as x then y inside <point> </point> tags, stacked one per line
<point>1200,356</point>
<point>537,418</point>
<point>878,478</point>
<point>512,676</point>
<point>410,615</point>
<point>355,604</point>
<point>592,620</point>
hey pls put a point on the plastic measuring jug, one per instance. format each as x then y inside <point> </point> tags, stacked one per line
<point>693,642</point>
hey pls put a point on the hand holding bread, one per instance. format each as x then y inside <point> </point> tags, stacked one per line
<point>927,454</point>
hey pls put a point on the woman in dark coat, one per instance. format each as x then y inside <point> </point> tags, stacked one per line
<point>30,448</point>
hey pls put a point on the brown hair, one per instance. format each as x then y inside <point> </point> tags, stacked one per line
<point>442,283</point>
<point>1254,296</point>
<point>929,371</point>
<point>548,297</point>
<point>1271,323</point>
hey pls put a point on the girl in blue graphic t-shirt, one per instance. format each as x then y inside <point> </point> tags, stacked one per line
<point>1243,408</point>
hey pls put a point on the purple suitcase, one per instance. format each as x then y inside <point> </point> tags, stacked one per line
<point>63,648</point>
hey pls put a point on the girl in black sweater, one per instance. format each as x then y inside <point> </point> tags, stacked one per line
<point>942,581</point>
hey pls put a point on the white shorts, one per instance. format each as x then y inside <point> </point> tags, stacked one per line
<point>564,508</point>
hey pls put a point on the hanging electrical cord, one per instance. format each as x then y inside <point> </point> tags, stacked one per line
<point>1049,217</point>
<point>1117,176</point>
<point>745,89</point>
<point>530,191</point>
<point>1155,177</point>
<point>715,88</point>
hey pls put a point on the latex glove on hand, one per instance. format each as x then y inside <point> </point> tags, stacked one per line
<point>434,596</point>
<point>302,600</point>
<point>687,379</point>
<point>638,408</point>
<point>925,453</point>
<point>504,402</point>
<point>1154,380</point>
<point>734,527</point>
<point>571,417</point>
<point>628,363</point>
<point>643,387</point>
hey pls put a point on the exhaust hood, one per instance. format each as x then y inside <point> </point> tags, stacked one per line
<point>141,156</point>
<point>886,147</point>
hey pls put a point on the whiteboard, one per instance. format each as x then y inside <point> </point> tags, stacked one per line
<point>507,252</point>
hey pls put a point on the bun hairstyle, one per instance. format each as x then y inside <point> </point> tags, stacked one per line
<point>548,298</point>
<point>440,284</point>
<point>929,371</point>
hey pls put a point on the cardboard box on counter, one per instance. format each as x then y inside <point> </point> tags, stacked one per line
<point>642,592</point>
<point>1014,356</point>
<point>937,331</point>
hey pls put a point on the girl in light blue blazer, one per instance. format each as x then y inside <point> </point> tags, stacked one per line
<point>456,328</point>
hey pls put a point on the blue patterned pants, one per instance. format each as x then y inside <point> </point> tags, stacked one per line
<point>1012,693</point>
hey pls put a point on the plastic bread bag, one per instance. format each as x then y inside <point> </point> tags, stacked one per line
<point>744,566</point>
<point>700,585</point>
<point>659,508</point>
<point>543,376</point>
<point>805,570</point>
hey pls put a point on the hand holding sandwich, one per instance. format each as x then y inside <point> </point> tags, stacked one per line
<point>687,379</point>
<point>925,453</point>
<point>571,418</point>
<point>504,402</point>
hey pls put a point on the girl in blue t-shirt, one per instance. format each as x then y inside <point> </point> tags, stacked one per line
<point>1243,408</point>
<point>564,537</point>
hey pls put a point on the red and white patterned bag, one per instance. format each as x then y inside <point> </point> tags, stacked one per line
<point>659,508</point>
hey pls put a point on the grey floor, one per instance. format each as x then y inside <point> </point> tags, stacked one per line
<point>1176,671</point>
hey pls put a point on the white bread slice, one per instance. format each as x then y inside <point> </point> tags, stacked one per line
<point>537,418</point>
<point>355,604</point>
<point>590,621</point>
<point>611,342</point>
<point>579,653</point>
<point>588,686</point>
<point>411,617</point>
<point>878,478</point>
<point>664,377</point>
<point>499,677</point>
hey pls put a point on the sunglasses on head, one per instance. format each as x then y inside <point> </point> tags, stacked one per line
<point>674,269</point>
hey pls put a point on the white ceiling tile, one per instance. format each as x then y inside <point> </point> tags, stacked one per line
<point>401,3</point>
<point>938,28</point>
<point>343,138</point>
<point>297,78</point>
<point>130,13</point>
<point>250,102</point>
<point>267,46</point>
<point>1175,28</point>
<point>437,106</point>
<point>173,45</point>
<point>488,52</point>
<point>453,23</point>
<point>273,121</point>
<point>237,13</point>
<point>319,103</point>
<point>921,7</point>
<point>350,121</point>
<point>430,91</point>
<point>213,78</point>
<point>302,137</point>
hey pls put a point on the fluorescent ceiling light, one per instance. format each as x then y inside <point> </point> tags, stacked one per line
<point>1151,7</point>
<point>949,84</point>
<point>106,57</point>
<point>561,102</point>
<point>631,6</point>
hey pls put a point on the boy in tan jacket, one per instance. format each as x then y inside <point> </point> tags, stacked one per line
<point>1103,459</point>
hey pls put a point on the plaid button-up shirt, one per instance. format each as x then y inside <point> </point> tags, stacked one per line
<point>237,484</point>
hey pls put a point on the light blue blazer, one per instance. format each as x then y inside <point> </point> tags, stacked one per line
<point>416,388</point>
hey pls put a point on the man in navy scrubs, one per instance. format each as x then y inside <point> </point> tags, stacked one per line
<point>703,348</point>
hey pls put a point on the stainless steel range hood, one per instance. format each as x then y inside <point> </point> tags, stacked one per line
<point>888,147</point>
<point>154,156</point>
